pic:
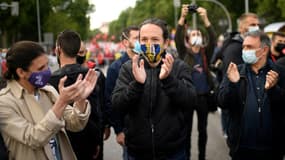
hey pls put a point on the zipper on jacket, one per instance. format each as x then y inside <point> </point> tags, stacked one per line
<point>150,115</point>
<point>260,117</point>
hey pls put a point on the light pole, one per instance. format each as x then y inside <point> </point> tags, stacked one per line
<point>246,6</point>
<point>176,4</point>
<point>39,22</point>
<point>194,17</point>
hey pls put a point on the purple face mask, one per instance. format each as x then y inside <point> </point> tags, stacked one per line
<point>40,79</point>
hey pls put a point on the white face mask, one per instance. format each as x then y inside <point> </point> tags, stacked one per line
<point>249,56</point>
<point>196,41</point>
<point>253,28</point>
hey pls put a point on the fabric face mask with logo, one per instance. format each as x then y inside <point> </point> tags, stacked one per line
<point>40,79</point>
<point>249,56</point>
<point>152,52</point>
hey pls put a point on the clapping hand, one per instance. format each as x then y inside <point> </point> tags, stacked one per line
<point>166,67</point>
<point>271,79</point>
<point>232,73</point>
<point>138,69</point>
<point>88,83</point>
<point>80,90</point>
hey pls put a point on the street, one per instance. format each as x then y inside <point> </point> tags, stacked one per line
<point>216,146</point>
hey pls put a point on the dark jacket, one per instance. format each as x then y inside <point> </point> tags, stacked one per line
<point>232,52</point>
<point>85,142</point>
<point>156,124</point>
<point>281,61</point>
<point>117,119</point>
<point>233,96</point>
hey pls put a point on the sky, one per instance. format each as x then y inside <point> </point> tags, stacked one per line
<point>108,10</point>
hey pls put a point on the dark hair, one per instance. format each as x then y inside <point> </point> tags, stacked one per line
<point>281,34</point>
<point>126,32</point>
<point>21,55</point>
<point>161,23</point>
<point>69,41</point>
<point>264,39</point>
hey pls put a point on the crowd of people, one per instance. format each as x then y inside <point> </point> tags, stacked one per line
<point>148,95</point>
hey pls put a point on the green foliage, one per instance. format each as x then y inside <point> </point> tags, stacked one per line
<point>58,15</point>
<point>55,16</point>
<point>269,11</point>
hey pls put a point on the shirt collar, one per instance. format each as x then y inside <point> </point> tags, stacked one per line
<point>16,88</point>
<point>19,90</point>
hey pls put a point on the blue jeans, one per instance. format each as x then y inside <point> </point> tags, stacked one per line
<point>179,155</point>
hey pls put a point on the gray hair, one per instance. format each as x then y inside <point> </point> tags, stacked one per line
<point>264,39</point>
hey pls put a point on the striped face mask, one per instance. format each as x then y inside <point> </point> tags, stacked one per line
<point>152,52</point>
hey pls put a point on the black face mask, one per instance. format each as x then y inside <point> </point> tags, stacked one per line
<point>80,59</point>
<point>280,48</point>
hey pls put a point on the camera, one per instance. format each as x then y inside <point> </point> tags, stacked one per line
<point>192,8</point>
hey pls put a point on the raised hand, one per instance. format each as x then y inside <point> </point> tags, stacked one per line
<point>184,10</point>
<point>88,83</point>
<point>184,13</point>
<point>233,73</point>
<point>271,79</point>
<point>70,93</point>
<point>138,69</point>
<point>80,90</point>
<point>203,14</point>
<point>166,67</point>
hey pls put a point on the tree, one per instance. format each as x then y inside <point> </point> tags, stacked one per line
<point>55,16</point>
<point>164,9</point>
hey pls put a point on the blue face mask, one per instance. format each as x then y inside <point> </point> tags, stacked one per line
<point>40,79</point>
<point>137,47</point>
<point>249,56</point>
<point>253,28</point>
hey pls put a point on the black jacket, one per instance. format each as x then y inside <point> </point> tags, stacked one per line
<point>232,52</point>
<point>85,142</point>
<point>281,61</point>
<point>232,96</point>
<point>156,123</point>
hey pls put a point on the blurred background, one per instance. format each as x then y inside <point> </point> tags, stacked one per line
<point>101,22</point>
